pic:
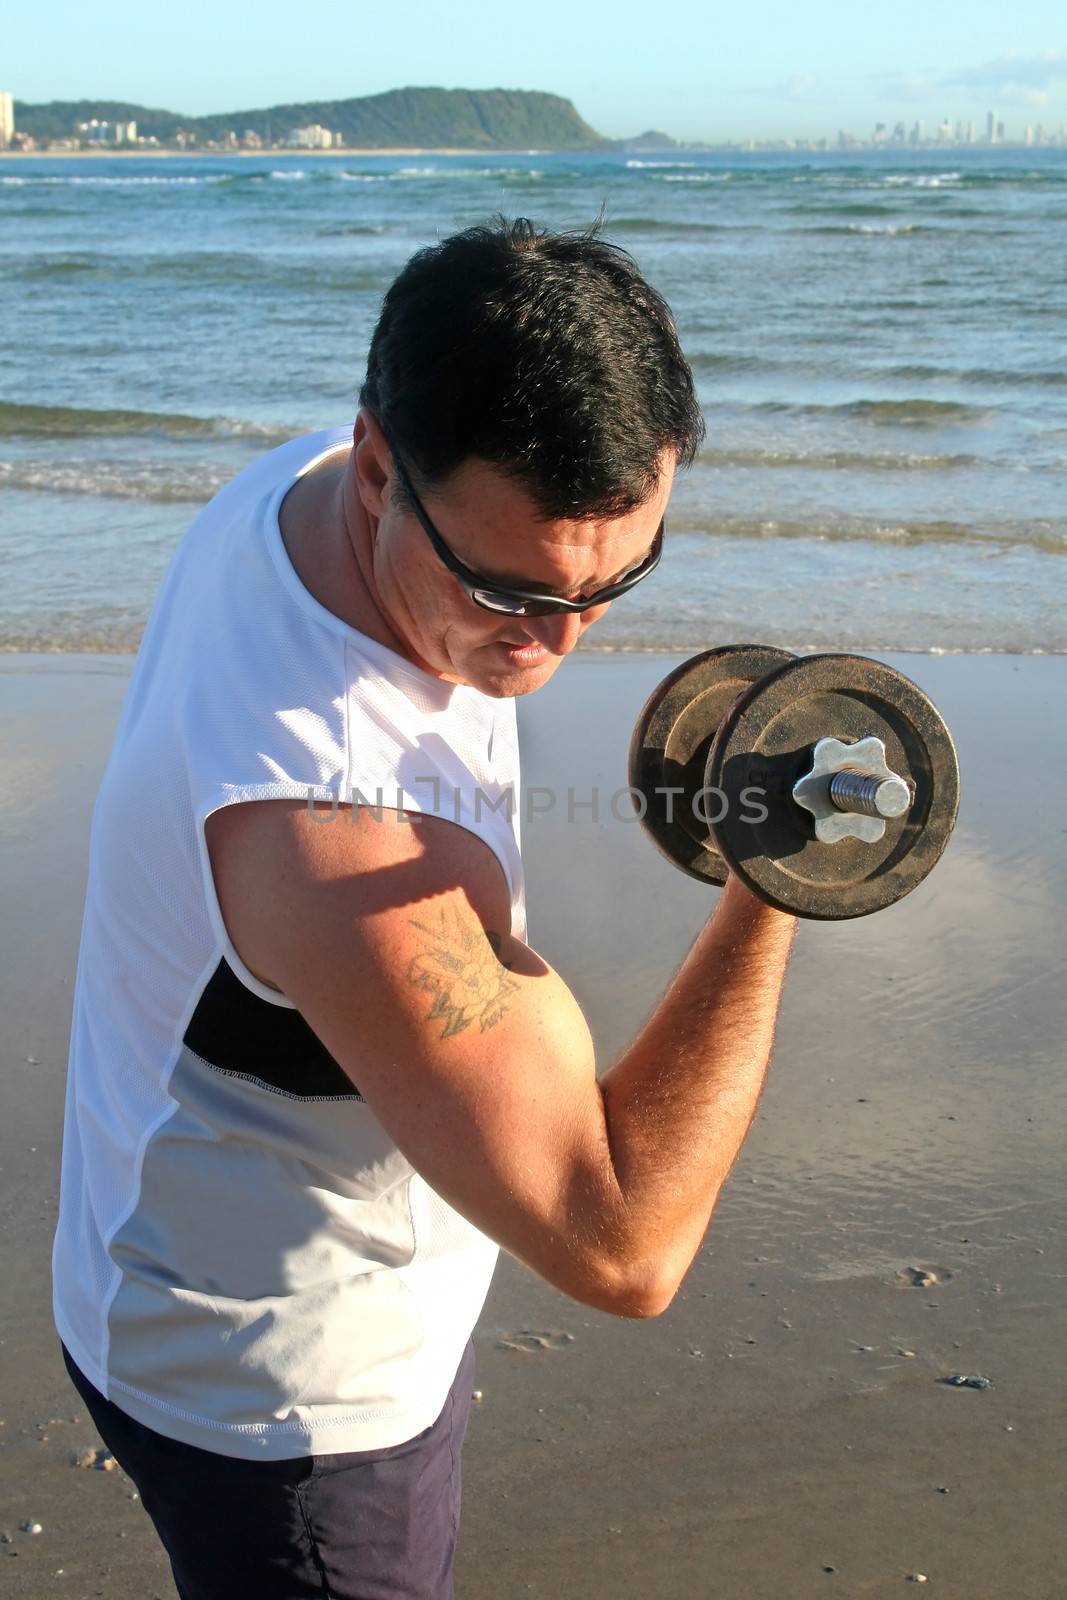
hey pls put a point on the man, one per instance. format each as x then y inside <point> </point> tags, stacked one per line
<point>317,1075</point>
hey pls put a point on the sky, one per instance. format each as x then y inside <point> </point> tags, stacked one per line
<point>698,69</point>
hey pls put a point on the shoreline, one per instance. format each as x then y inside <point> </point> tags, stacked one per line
<point>933,152</point>
<point>345,150</point>
<point>29,655</point>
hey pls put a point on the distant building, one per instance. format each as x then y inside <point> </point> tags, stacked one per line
<point>990,128</point>
<point>251,140</point>
<point>7,119</point>
<point>1000,133</point>
<point>97,133</point>
<point>313,138</point>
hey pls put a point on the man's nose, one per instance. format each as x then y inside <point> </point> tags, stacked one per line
<point>558,632</point>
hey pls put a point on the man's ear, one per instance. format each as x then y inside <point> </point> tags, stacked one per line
<point>373,463</point>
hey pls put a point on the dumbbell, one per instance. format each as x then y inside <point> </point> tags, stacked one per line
<point>828,783</point>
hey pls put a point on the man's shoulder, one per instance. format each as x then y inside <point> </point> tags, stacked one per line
<point>285,461</point>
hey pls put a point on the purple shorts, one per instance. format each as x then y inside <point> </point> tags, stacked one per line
<point>362,1525</point>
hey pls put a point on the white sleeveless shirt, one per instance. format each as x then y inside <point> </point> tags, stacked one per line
<point>244,1260</point>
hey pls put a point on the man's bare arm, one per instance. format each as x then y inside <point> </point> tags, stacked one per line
<point>393,942</point>
<point>679,1103</point>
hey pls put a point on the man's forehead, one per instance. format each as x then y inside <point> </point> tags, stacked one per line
<point>550,554</point>
<point>484,480</point>
<point>485,496</point>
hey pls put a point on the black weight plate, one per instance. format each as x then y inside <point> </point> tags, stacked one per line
<point>765,742</point>
<point>670,743</point>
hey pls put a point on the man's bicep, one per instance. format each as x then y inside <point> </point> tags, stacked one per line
<point>481,1070</point>
<point>396,949</point>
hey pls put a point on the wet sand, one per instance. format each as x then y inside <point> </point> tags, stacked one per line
<point>900,1191</point>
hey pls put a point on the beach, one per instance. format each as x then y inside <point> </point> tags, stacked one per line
<point>875,339</point>
<point>895,1217</point>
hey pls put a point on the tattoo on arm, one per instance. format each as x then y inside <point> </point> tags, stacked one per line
<point>460,966</point>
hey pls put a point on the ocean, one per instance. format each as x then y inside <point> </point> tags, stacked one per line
<point>879,339</point>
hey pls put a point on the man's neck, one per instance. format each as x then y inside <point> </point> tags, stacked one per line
<point>328,540</point>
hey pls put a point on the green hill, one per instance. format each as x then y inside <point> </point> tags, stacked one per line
<point>478,119</point>
<point>59,118</point>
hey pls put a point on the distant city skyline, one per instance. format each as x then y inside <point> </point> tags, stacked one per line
<point>110,136</point>
<point>709,72</point>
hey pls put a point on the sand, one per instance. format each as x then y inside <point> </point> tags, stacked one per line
<point>901,1191</point>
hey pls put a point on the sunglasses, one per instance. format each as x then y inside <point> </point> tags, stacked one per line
<point>526,602</point>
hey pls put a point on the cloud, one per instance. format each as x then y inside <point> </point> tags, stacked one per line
<point>1014,76</point>
<point>800,86</point>
<point>906,88</point>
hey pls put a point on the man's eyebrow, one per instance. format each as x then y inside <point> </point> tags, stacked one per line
<point>515,582</point>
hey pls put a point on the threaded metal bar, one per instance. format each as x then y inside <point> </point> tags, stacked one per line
<point>871,797</point>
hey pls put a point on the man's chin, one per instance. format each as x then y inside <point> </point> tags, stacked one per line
<point>507,681</point>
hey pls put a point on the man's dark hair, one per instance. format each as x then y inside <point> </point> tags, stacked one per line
<point>544,354</point>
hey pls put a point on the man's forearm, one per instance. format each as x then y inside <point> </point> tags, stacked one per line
<point>680,1101</point>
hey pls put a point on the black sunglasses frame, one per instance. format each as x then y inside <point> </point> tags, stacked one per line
<point>533,603</point>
